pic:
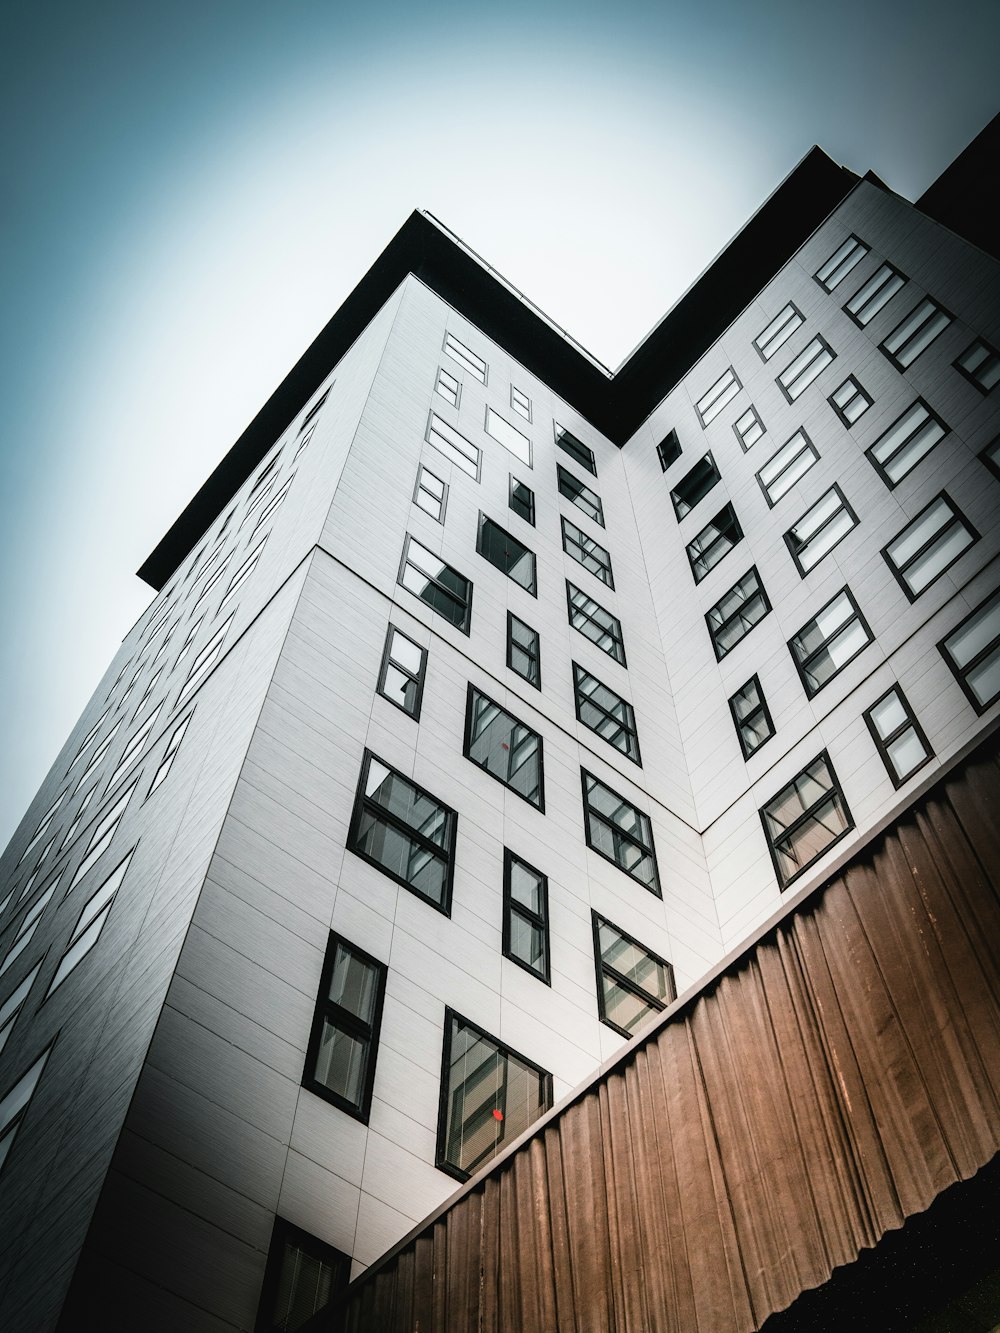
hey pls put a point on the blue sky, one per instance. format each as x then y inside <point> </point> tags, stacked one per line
<point>191,189</point>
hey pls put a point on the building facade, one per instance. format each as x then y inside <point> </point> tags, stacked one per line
<point>486,703</point>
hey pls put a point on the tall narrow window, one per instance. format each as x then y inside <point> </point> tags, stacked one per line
<point>898,736</point>
<point>582,496</point>
<point>525,916</point>
<point>825,645</point>
<point>520,402</point>
<point>465,357</point>
<point>133,749</point>
<point>972,651</point>
<point>447,387</point>
<point>990,457</point>
<point>513,440</point>
<point>503,550</point>
<point>455,447</point>
<point>170,754</point>
<point>302,1278</point>
<point>668,450</point>
<point>430,494</point>
<point>876,293</point>
<point>104,832</point>
<point>751,716</point>
<point>633,983</point>
<point>783,469</point>
<point>819,530</point>
<point>315,410</point>
<point>188,640</point>
<point>595,623</point>
<point>849,401</point>
<point>90,923</point>
<point>587,552</point>
<point>908,440</point>
<point>43,824</point>
<point>401,676</point>
<point>914,334</point>
<point>205,661</point>
<point>443,588</point>
<point>778,331</point>
<point>98,755</point>
<point>577,450</point>
<point>714,541</point>
<point>805,819</point>
<point>524,654</point>
<point>27,928</point>
<point>242,574</point>
<point>504,747</point>
<point>694,486</point>
<point>522,500</point>
<point>800,373</point>
<point>14,1105</point>
<point>980,364</point>
<point>749,428</point>
<point>722,392</point>
<point>844,260</point>
<point>736,613</point>
<point>929,545</point>
<point>606,713</point>
<point>13,1004</point>
<point>620,832</point>
<point>343,1044</point>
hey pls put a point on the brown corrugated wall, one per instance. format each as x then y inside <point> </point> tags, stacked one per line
<point>842,1073</point>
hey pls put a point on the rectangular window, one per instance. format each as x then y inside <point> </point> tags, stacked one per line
<point>778,331</point>
<point>576,449</point>
<point>91,922</point>
<point>430,494</point>
<point>524,653</point>
<point>595,623</point>
<point>506,553</point>
<point>734,615</point>
<point>582,496</point>
<point>668,450</point>
<point>504,747</point>
<point>242,574</point>
<point>714,541</point>
<point>525,916</point>
<point>444,589</point>
<point>587,552</point>
<point>465,357</point>
<point>343,1044</point>
<point>909,439</point>
<point>455,447</point>
<point>606,713</point>
<point>515,441</point>
<point>805,819</point>
<point>980,364</point>
<point>619,832</point>
<point>520,402</point>
<point>405,832</point>
<point>694,486</point>
<point>972,651</point>
<point>205,661</point>
<point>990,457</point>
<point>819,530</point>
<point>876,293</point>
<point>633,983</point>
<point>929,545</point>
<point>751,717</point>
<point>722,392</point>
<point>302,1278</point>
<point>14,1105</point>
<point>166,763</point>
<point>489,1097</point>
<point>844,259</point>
<point>915,333</point>
<point>522,500</point>
<point>898,736</point>
<point>133,748</point>
<point>783,469</point>
<point>825,645</point>
<point>749,428</point>
<point>849,401</point>
<point>401,676</point>
<point>13,1004</point>
<point>447,386</point>
<point>800,373</point>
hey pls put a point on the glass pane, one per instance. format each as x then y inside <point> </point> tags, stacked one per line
<point>984,679</point>
<point>527,942</point>
<point>508,554</point>
<point>622,1007</point>
<point>425,871</point>
<point>812,838</point>
<point>906,752</point>
<point>526,887</point>
<point>888,714</point>
<point>633,962</point>
<point>976,633</point>
<point>406,653</point>
<point>938,557</point>
<point>506,748</point>
<point>354,984</point>
<point>413,807</point>
<point>305,1286</point>
<point>509,436</point>
<point>341,1062</point>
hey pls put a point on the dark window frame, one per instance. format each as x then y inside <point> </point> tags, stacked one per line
<point>741,435</point>
<point>628,727</point>
<point>859,392</point>
<point>474,362</point>
<point>909,723</point>
<point>880,467</point>
<point>957,518</point>
<point>466,626</point>
<point>283,1233</point>
<point>960,673</point>
<point>716,406</point>
<point>580,452</point>
<point>801,819</point>
<point>728,529</point>
<point>858,244</point>
<point>617,637</point>
<point>802,666</point>
<point>607,576</point>
<point>485,519</point>
<point>809,448</point>
<point>779,379</point>
<point>529,517</point>
<point>717,631</point>
<point>540,920</point>
<point>453,402</point>
<point>677,499</point>
<point>596,510</point>
<point>535,656</point>
<point>655,890</point>
<point>796,312</point>
<point>967,374</point>
<point>762,707</point>
<point>988,462</point>
<point>418,489</point>
<point>620,979</point>
<point>893,357</point>
<point>668,450</point>
<point>418,679</point>
<point>893,272</point>
<point>845,507</point>
<point>472,690</point>
<point>516,407</point>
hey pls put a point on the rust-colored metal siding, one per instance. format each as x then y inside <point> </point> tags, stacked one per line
<point>840,1075</point>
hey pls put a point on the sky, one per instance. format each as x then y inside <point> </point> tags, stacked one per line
<point>191,189</point>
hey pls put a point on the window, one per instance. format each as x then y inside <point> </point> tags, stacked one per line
<point>489,1097</point>
<point>302,1278</point>
<point>849,401</point>
<point>525,916</point>
<point>447,386</point>
<point>505,748</point>
<point>582,496</point>
<point>778,331</point>
<point>13,1004</point>
<point>898,736</point>
<point>315,410</point>
<point>734,615</point>
<point>805,819</point>
<point>189,639</point>
<point>87,930</point>
<point>94,729</point>
<point>595,623</point>
<point>132,750</point>
<point>751,717</point>
<point>524,654</point>
<point>633,983</point>
<point>405,832</point>
<point>576,449</point>
<point>210,582</point>
<point>929,545</point>
<point>205,661</point>
<point>14,1105</point>
<point>910,437</point>
<point>102,835</point>
<point>694,486</point>
<point>147,692</point>
<point>77,818</point>
<point>455,447</point>
<point>668,450</point>
<point>819,530</point>
<point>27,928</point>
<point>504,551</point>
<point>980,364</point>
<point>458,351</point>
<point>430,494</point>
<point>272,505</point>
<point>401,676</point>
<point>444,589</point>
<point>915,333</point>
<point>43,824</point>
<point>972,651</point>
<point>843,260</point>
<point>265,480</point>
<point>749,428</point>
<point>587,552</point>
<point>509,436</point>
<point>825,645</point>
<point>520,402</point>
<point>343,1044</point>
<point>242,574</point>
<point>800,373</point>
<point>522,500</point>
<point>606,713</point>
<point>304,438</point>
<point>619,832</point>
<point>714,541</point>
<point>877,292</point>
<point>166,763</point>
<point>722,392</point>
<point>98,755</point>
<point>783,469</point>
<point>991,456</point>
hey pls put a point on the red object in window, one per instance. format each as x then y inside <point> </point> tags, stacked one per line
<point>498,1115</point>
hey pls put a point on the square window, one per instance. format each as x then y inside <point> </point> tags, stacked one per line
<point>504,747</point>
<point>520,402</point>
<point>849,401</point>
<point>582,496</point>
<point>722,392</point>
<point>828,642</point>
<point>587,552</point>
<point>789,465</point>
<point>503,550</point>
<point>401,676</point>
<point>455,447</point>
<point>633,983</point>
<point>749,428</point>
<point>898,736</point>
<point>694,486</point>
<point>595,623</point>
<point>620,832</point>
<point>668,450</point>
<point>606,713</point>
<point>875,294</point>
<point>443,588</point>
<point>430,494</point>
<point>525,916</point>
<point>915,333</point>
<point>576,449</point>
<point>734,615</point>
<point>343,1044</point>
<point>302,1278</point>
<point>714,541</point>
<point>524,653</point>
<point>513,440</point>
<point>819,530</point>
<point>778,331</point>
<point>972,651</point>
<point>980,364</point>
<point>805,819</point>
<point>447,386</point>
<point>909,439</point>
<point>465,357</point>
<point>844,260</point>
<point>929,545</point>
<point>751,717</point>
<point>522,500</point>
<point>800,373</point>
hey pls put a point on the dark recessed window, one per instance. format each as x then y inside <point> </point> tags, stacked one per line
<point>454,446</point>
<point>343,1044</point>
<point>595,623</point>
<point>405,832</point>
<point>169,755</point>
<point>14,1002</point>
<point>503,550</point>
<point>489,1097</point>
<point>980,364</point>
<point>447,386</point>
<point>465,357</point>
<point>778,331</point>
<point>749,428</point>
<point>668,450</point>
<point>507,749</point>
<point>576,449</point>
<point>876,293</point>
<point>633,983</point>
<point>313,412</point>
<point>783,469</point>
<point>751,716</point>
<point>722,392</point>
<point>242,574</point>
<point>972,651</point>
<point>849,401</point>
<point>582,496</point>
<point>443,588</point>
<point>844,260</point>
<point>525,916</point>
<point>714,541</point>
<point>990,457</point>
<point>898,736</point>
<point>825,645</point>
<point>401,677</point>
<point>431,494</point>
<point>819,530</point>
<point>524,653</point>
<point>914,334</point>
<point>606,713</point>
<point>29,924</point>
<point>908,440</point>
<point>929,545</point>
<point>694,486</point>
<point>512,439</point>
<point>520,402</point>
<point>587,552</point>
<point>205,661</point>
<point>302,1278</point>
<point>619,832</point>
<point>800,373</point>
<point>736,613</point>
<point>15,1103</point>
<point>522,500</point>
<point>805,819</point>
